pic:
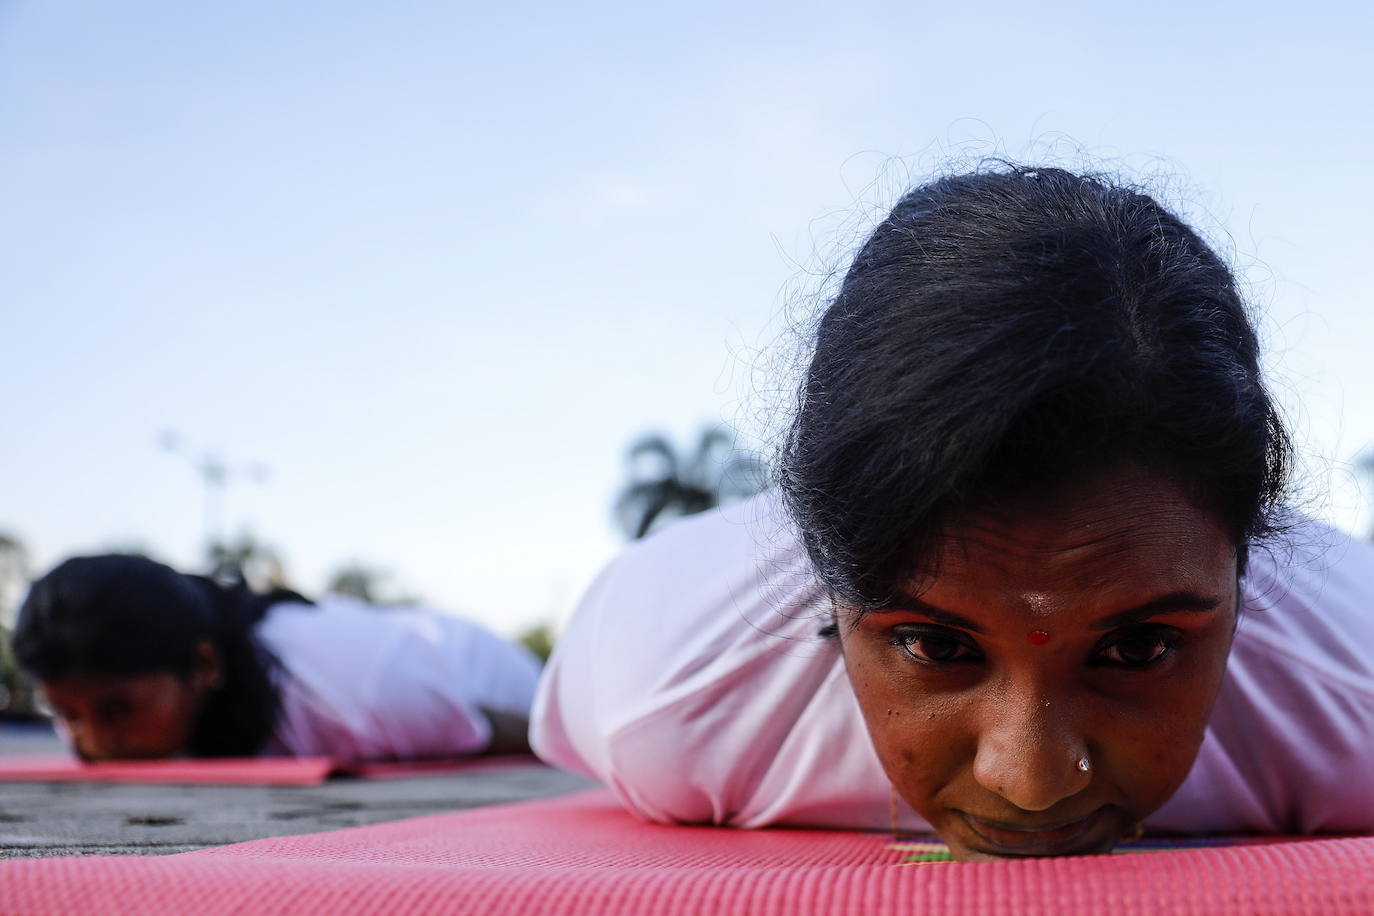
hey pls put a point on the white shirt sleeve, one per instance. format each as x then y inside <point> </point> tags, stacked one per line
<point>361,683</point>
<point>691,680</point>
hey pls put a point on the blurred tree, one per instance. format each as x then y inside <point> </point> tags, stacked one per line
<point>246,559</point>
<point>368,583</point>
<point>538,639</point>
<point>16,690</point>
<point>357,581</point>
<point>665,484</point>
<point>18,699</point>
<point>14,575</point>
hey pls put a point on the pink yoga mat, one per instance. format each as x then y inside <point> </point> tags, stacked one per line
<point>582,854</point>
<point>262,771</point>
<point>265,771</point>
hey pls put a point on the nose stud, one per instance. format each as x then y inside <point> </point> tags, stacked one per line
<point>1083,765</point>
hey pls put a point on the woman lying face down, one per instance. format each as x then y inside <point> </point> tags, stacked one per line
<point>1023,495</point>
<point>137,660</point>
<point>1032,450</point>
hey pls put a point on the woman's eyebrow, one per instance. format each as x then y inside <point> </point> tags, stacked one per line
<point>1181,602</point>
<point>911,604</point>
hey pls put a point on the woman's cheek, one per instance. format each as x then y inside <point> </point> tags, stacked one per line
<point>909,729</point>
<point>871,680</point>
<point>1159,738</point>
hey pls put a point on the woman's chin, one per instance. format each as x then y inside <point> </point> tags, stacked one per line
<point>971,839</point>
<point>970,854</point>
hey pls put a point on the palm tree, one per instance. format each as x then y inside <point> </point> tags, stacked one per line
<point>665,484</point>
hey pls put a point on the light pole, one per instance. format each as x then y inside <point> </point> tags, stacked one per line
<point>215,474</point>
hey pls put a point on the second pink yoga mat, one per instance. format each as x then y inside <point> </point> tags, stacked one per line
<point>261,771</point>
<point>264,771</point>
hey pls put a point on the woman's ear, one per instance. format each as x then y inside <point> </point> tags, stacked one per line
<point>207,673</point>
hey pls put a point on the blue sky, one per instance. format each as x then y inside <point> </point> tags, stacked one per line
<point>437,264</point>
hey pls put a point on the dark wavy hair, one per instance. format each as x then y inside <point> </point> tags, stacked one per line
<point>1013,328</point>
<point>121,614</point>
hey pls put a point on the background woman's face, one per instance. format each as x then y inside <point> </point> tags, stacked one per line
<point>981,722</point>
<point>134,715</point>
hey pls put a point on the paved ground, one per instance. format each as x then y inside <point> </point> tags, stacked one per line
<point>61,819</point>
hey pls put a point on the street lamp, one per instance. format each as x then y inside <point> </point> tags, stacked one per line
<point>215,474</point>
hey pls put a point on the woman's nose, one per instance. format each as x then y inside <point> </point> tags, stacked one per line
<point>1031,754</point>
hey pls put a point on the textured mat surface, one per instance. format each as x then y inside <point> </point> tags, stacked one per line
<point>581,854</point>
<point>262,771</point>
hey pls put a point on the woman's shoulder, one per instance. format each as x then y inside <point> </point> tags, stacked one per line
<point>704,635</point>
<point>1309,597</point>
<point>684,611</point>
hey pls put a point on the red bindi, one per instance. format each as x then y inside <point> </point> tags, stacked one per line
<point>1039,637</point>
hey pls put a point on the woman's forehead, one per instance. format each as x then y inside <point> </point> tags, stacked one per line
<point>1103,512</point>
<point>1116,537</point>
<point>93,686</point>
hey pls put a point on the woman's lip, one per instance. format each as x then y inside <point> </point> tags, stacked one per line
<point>1049,839</point>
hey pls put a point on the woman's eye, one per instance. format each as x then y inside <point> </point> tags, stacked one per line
<point>934,647</point>
<point>1139,650</point>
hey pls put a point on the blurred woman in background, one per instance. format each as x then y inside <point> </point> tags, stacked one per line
<point>137,660</point>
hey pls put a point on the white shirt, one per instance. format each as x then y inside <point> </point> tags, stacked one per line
<point>693,682</point>
<point>365,683</point>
